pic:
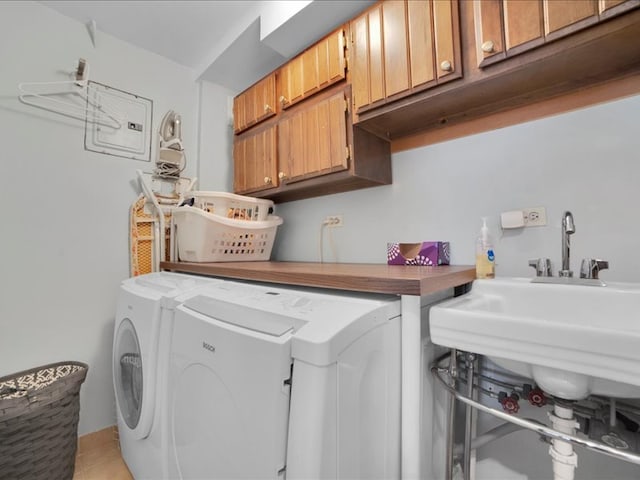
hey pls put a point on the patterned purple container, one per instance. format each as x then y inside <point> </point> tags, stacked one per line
<point>425,253</point>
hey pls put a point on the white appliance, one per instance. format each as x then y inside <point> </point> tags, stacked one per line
<point>140,355</point>
<point>267,382</point>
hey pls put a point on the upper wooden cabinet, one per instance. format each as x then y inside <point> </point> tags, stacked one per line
<point>514,53</point>
<point>313,140</point>
<point>308,150</point>
<point>318,67</point>
<point>255,104</point>
<point>305,145</point>
<point>255,161</point>
<point>399,47</point>
<point>505,28</point>
<point>309,142</point>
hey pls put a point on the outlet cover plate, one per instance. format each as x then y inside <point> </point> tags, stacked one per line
<point>535,216</point>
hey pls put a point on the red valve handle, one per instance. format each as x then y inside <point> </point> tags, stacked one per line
<point>537,397</point>
<point>510,405</point>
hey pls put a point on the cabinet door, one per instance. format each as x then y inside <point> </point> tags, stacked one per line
<point>505,28</point>
<point>403,46</point>
<point>563,13</point>
<point>254,160</point>
<point>255,104</point>
<point>316,68</point>
<point>445,31</point>
<point>489,29</point>
<point>420,42</point>
<point>313,141</point>
<point>523,22</point>
<point>396,51</point>
<point>291,80</point>
<point>432,30</point>
<point>265,98</point>
<point>239,120</point>
<point>367,72</point>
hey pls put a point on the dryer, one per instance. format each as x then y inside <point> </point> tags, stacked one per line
<point>140,357</point>
<point>272,382</point>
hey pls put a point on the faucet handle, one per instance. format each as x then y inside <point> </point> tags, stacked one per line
<point>542,266</point>
<point>591,266</point>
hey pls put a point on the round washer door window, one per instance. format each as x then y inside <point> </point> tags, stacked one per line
<point>127,366</point>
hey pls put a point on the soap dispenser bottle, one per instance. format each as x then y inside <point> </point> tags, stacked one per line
<point>485,257</point>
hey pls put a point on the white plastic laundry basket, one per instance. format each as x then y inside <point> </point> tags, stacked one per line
<point>207,237</point>
<point>231,205</point>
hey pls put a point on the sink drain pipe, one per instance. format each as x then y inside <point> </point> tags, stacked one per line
<point>564,458</point>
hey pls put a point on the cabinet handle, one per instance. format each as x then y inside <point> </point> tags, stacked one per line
<point>282,175</point>
<point>267,108</point>
<point>283,99</point>
<point>446,66</point>
<point>267,180</point>
<point>488,46</point>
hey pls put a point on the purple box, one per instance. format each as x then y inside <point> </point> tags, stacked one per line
<point>425,253</point>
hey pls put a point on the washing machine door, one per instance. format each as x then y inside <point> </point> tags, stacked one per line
<point>230,393</point>
<point>129,375</point>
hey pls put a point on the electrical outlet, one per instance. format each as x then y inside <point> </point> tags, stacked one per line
<point>534,216</point>
<point>334,221</point>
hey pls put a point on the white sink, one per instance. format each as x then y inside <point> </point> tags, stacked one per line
<point>573,340</point>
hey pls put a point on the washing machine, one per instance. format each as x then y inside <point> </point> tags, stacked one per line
<point>271,382</point>
<point>140,357</point>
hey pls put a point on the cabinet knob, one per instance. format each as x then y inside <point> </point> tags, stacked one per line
<point>488,46</point>
<point>267,108</point>
<point>283,99</point>
<point>282,175</point>
<point>267,180</point>
<point>446,66</point>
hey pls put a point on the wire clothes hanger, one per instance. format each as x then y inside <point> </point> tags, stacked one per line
<point>53,99</point>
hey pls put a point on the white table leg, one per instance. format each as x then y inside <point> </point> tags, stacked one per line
<point>410,422</point>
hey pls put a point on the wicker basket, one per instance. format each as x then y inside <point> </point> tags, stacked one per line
<point>39,411</point>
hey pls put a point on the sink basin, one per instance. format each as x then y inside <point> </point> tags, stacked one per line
<point>573,340</point>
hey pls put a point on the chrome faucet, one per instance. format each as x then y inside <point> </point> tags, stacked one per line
<point>589,270</point>
<point>568,228</point>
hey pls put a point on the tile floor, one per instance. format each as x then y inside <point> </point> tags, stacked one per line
<point>99,458</point>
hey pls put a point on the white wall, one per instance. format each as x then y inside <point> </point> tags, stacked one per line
<point>65,216</point>
<point>215,168</point>
<point>584,161</point>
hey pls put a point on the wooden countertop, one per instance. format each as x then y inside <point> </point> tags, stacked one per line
<point>359,277</point>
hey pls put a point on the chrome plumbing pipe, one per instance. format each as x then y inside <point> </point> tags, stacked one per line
<point>453,373</point>
<point>468,417</point>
